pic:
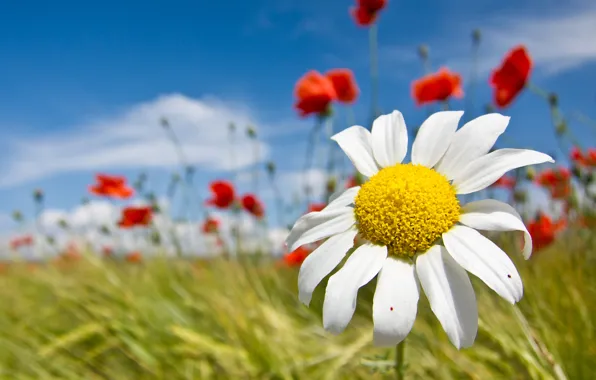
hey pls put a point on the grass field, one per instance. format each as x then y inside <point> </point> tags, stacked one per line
<point>100,319</point>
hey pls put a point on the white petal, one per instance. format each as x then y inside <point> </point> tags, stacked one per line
<point>492,215</point>
<point>486,170</point>
<point>321,262</point>
<point>450,293</point>
<point>319,225</point>
<point>356,142</point>
<point>486,260</point>
<point>471,141</point>
<point>395,303</point>
<point>342,289</point>
<point>434,137</point>
<point>342,199</point>
<point>389,139</point>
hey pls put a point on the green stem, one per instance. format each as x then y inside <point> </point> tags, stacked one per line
<point>310,148</point>
<point>399,360</point>
<point>374,70</point>
<point>330,161</point>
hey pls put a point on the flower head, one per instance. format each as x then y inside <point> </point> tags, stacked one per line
<point>253,205</point>
<point>344,84</point>
<point>211,225</point>
<point>314,93</point>
<point>297,257</point>
<point>316,207</point>
<point>134,257</point>
<point>505,182</point>
<point>111,187</point>
<point>413,228</point>
<point>366,12</point>
<point>437,87</point>
<point>135,216</point>
<point>509,79</point>
<point>21,241</point>
<point>544,231</point>
<point>223,194</point>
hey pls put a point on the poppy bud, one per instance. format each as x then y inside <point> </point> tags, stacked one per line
<point>530,173</point>
<point>423,52</point>
<point>553,99</point>
<point>476,36</point>
<point>17,215</point>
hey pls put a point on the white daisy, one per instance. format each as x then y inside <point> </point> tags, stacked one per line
<point>416,233</point>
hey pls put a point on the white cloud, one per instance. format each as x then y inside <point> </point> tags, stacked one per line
<point>135,139</point>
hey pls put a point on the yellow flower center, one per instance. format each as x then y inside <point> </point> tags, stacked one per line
<point>407,208</point>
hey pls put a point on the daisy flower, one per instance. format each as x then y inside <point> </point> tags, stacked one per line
<point>415,231</point>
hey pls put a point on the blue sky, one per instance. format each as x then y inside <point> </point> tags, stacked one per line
<point>81,82</point>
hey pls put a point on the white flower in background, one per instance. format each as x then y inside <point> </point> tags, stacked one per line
<point>415,231</point>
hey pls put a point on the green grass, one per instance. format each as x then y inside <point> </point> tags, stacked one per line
<point>96,319</point>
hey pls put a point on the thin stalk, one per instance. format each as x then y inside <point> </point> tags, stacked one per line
<point>374,70</point>
<point>310,148</point>
<point>399,360</point>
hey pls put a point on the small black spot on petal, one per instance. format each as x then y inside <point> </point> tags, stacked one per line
<point>509,275</point>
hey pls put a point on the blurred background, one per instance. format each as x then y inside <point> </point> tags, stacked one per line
<point>153,158</point>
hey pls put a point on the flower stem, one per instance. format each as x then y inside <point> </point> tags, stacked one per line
<point>399,360</point>
<point>374,70</point>
<point>310,149</point>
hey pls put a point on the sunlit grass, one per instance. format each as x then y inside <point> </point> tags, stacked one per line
<point>96,319</point>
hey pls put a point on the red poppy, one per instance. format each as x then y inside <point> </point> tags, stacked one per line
<point>223,194</point>
<point>134,257</point>
<point>505,182</point>
<point>366,12</point>
<point>111,186</point>
<point>553,176</point>
<point>253,205</point>
<point>577,156</point>
<point>437,87</point>
<point>21,241</point>
<point>107,251</point>
<point>591,157</point>
<point>314,207</point>
<point>344,84</point>
<point>297,257</point>
<point>511,77</point>
<point>583,159</point>
<point>544,231</point>
<point>314,93</point>
<point>136,216</point>
<point>210,225</point>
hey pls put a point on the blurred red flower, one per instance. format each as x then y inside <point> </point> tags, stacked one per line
<point>366,12</point>
<point>134,257</point>
<point>297,257</point>
<point>437,87</point>
<point>557,181</point>
<point>344,84</point>
<point>135,216</point>
<point>223,194</point>
<point>314,93</point>
<point>544,231</point>
<point>583,159</point>
<point>553,176</point>
<point>111,186</point>
<point>210,225</point>
<point>505,182</point>
<point>314,207</point>
<point>511,77</point>
<point>253,205</point>
<point>21,241</point>
<point>107,251</point>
